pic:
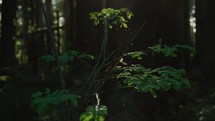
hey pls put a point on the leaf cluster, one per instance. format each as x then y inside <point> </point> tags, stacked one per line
<point>170,51</point>
<point>113,17</point>
<point>43,102</point>
<point>167,51</point>
<point>136,54</point>
<point>65,57</point>
<point>94,113</point>
<point>152,80</point>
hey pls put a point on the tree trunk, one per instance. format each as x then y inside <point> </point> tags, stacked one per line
<point>204,66</point>
<point>7,41</point>
<point>70,9</point>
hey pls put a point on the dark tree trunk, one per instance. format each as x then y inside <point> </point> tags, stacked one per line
<point>204,68</point>
<point>70,7</point>
<point>49,11</point>
<point>36,40</point>
<point>7,41</point>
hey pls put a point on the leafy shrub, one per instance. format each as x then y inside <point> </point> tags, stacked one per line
<point>140,78</point>
<point>152,80</point>
<point>44,102</point>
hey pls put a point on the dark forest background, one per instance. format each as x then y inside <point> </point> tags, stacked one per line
<point>24,38</point>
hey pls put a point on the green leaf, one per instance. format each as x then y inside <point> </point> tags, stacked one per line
<point>122,19</point>
<point>187,47</point>
<point>110,26</point>
<point>175,84</point>
<point>74,101</point>
<point>136,55</point>
<point>125,25</point>
<point>47,58</point>
<point>94,113</point>
<point>129,16</point>
<point>36,95</point>
<point>170,51</point>
<point>86,117</point>
<point>66,57</point>
<point>187,83</point>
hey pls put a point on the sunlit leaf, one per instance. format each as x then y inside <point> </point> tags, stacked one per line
<point>95,113</point>
<point>110,26</point>
<point>125,25</point>
<point>112,17</point>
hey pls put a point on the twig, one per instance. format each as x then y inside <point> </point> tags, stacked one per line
<point>101,63</point>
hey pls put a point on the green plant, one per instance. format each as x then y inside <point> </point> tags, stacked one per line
<point>95,113</point>
<point>151,80</point>
<point>45,102</point>
<point>112,17</point>
<point>136,76</point>
<point>170,51</point>
<point>66,57</point>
